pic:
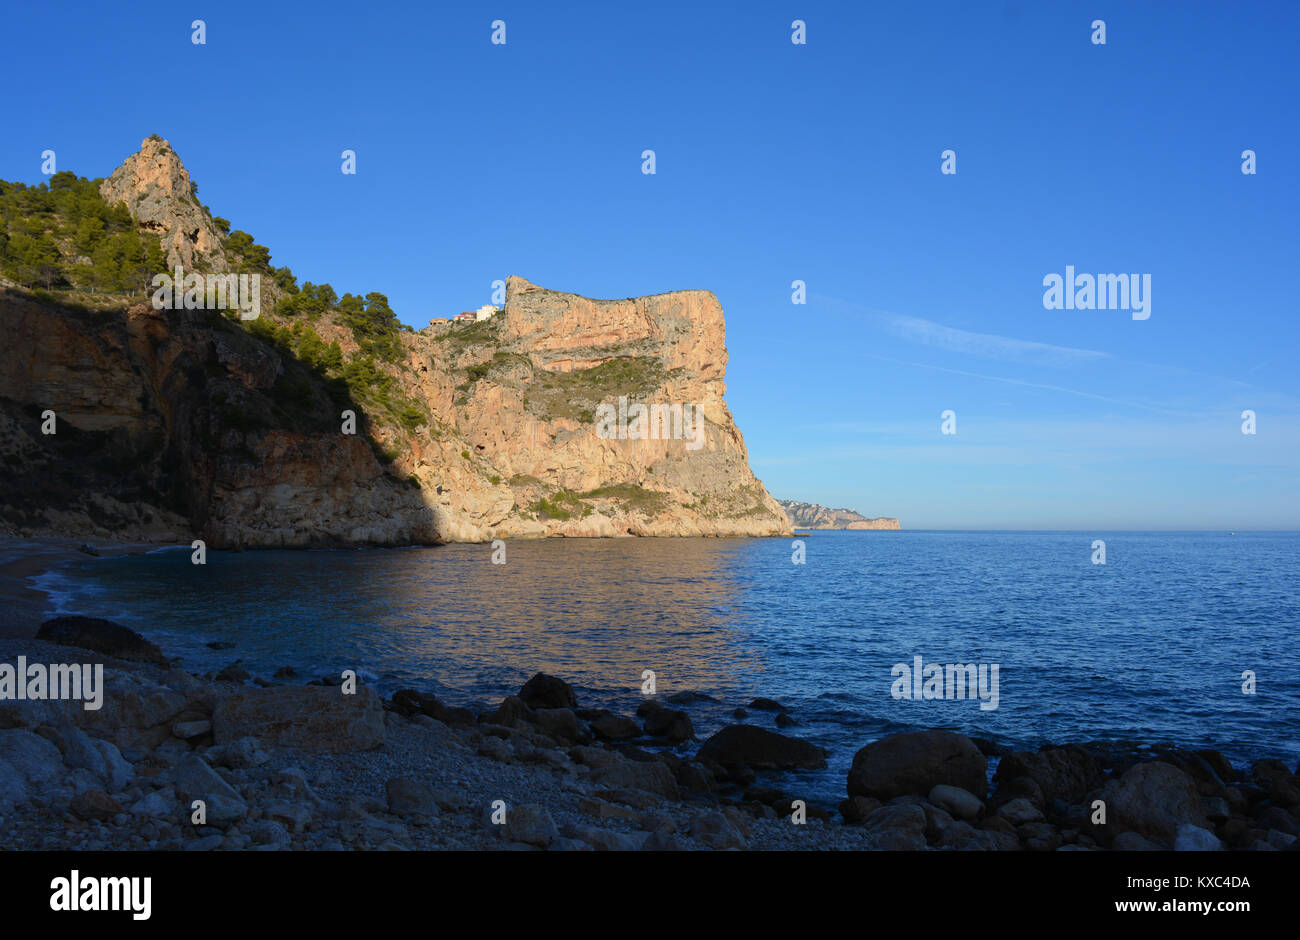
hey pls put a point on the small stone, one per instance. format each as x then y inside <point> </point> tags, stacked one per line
<point>191,729</point>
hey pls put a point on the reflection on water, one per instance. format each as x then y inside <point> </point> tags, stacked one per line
<point>447,618</point>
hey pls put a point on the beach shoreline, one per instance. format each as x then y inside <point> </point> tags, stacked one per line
<point>24,605</point>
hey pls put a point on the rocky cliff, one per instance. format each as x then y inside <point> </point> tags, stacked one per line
<point>174,425</point>
<point>177,424</point>
<point>813,516</point>
<point>155,186</point>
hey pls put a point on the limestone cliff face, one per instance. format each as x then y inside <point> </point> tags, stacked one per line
<point>813,516</point>
<point>156,188</point>
<point>522,391</point>
<point>182,424</point>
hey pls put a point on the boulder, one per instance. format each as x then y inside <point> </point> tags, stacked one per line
<point>606,840</point>
<point>76,747</point>
<point>101,636</point>
<point>914,762</point>
<point>117,770</point>
<point>962,804</point>
<point>1195,839</point>
<point>1020,811</point>
<point>543,691</point>
<point>1065,773</point>
<point>27,763</point>
<point>560,724</point>
<point>611,727</point>
<point>193,779</point>
<point>672,724</point>
<point>856,809</point>
<point>902,818</point>
<point>650,776</point>
<point>750,746</point>
<point>410,702</point>
<point>1153,799</point>
<point>964,837</point>
<point>715,831</point>
<point>511,712</point>
<point>317,718</point>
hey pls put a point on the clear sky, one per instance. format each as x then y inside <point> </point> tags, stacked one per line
<point>775,162</point>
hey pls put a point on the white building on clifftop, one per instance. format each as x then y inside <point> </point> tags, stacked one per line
<point>485,312</point>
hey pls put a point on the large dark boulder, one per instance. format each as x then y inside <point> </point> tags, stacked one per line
<point>671,724</point>
<point>915,762</point>
<point>543,691</point>
<point>750,746</point>
<point>1153,800</point>
<point>1065,773</point>
<point>101,636</point>
<point>608,726</point>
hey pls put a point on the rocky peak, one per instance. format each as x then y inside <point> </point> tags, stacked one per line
<point>157,190</point>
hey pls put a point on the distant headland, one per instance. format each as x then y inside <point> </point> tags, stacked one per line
<point>813,516</point>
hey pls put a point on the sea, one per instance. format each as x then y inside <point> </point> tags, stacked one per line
<point>1189,638</point>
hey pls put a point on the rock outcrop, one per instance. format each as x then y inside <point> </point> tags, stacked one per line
<point>522,392</point>
<point>157,190</point>
<point>176,424</point>
<point>813,516</point>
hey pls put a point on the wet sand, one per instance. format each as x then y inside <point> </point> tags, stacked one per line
<point>23,607</point>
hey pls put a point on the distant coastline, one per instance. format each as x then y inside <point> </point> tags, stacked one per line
<point>814,516</point>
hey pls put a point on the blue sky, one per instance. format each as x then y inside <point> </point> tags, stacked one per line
<point>778,162</point>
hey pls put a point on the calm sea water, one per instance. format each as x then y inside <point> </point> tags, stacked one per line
<point>1150,646</point>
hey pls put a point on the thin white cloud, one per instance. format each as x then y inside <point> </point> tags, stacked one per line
<point>1011,381</point>
<point>988,345</point>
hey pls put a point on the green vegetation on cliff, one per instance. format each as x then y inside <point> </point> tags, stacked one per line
<point>62,234</point>
<point>575,395</point>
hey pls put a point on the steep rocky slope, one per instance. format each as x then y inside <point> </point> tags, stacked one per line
<point>813,516</point>
<point>176,424</point>
<point>173,425</point>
